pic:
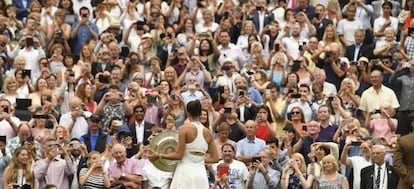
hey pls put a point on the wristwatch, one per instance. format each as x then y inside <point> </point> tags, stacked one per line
<point>123,175</point>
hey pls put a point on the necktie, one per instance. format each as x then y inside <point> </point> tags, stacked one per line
<point>378,179</point>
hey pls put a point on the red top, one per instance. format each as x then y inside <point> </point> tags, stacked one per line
<point>262,132</point>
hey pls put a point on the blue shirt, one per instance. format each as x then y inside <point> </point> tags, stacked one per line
<point>93,138</point>
<point>326,134</point>
<point>255,95</point>
<point>82,36</point>
<point>247,147</point>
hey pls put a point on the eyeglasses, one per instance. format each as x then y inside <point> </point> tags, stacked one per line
<point>139,111</point>
<point>296,112</point>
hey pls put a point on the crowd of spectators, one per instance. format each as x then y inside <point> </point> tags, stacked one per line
<point>297,93</point>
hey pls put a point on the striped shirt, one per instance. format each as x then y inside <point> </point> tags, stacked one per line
<point>93,181</point>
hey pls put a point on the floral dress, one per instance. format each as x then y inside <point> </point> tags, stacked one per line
<point>335,184</point>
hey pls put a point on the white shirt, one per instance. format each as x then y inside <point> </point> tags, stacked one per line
<point>7,129</point>
<point>377,26</point>
<point>156,177</point>
<point>347,29</point>
<point>292,46</point>
<point>81,126</point>
<point>139,130</point>
<point>383,176</point>
<point>234,52</point>
<point>32,58</point>
<point>358,163</point>
<point>238,173</point>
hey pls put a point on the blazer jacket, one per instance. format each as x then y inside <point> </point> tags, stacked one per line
<point>403,161</point>
<point>147,132</point>
<point>367,177</point>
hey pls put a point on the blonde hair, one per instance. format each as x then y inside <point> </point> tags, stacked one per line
<point>335,35</point>
<point>90,157</point>
<point>12,169</point>
<point>302,161</point>
<point>6,82</point>
<point>249,22</point>
<point>332,159</point>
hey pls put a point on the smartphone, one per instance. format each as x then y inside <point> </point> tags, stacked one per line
<point>277,47</point>
<point>297,95</point>
<point>267,91</point>
<point>330,98</point>
<point>103,79</point>
<point>3,139</point>
<point>304,128</point>
<point>49,98</point>
<point>55,147</point>
<point>376,140</point>
<point>300,48</point>
<point>296,65</point>
<point>289,116</point>
<point>406,65</point>
<point>225,68</point>
<point>203,35</point>
<point>223,170</point>
<point>316,15</point>
<point>227,112</point>
<point>30,139</point>
<point>250,61</point>
<point>375,61</point>
<point>221,89</point>
<point>356,143</point>
<point>26,73</point>
<point>41,116</point>
<point>65,133</point>
<point>6,109</point>
<point>290,91</point>
<point>256,159</point>
<point>29,42</point>
<point>410,30</point>
<point>241,93</point>
<point>377,111</point>
<point>258,8</point>
<point>313,150</point>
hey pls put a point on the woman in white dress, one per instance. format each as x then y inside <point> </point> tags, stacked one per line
<point>194,141</point>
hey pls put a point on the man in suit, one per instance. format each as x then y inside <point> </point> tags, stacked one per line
<point>306,8</point>
<point>404,159</point>
<point>104,64</point>
<point>140,129</point>
<point>245,109</point>
<point>379,175</point>
<point>355,51</point>
<point>262,17</point>
<point>22,8</point>
<point>319,21</point>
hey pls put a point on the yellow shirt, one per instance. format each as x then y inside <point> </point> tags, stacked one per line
<point>279,104</point>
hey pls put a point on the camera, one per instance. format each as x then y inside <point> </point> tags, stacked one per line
<point>277,47</point>
<point>103,79</point>
<point>225,68</point>
<point>71,74</point>
<point>6,109</point>
<point>328,54</point>
<point>44,116</point>
<point>132,61</point>
<point>84,15</point>
<point>29,42</point>
<point>241,93</point>
<point>377,111</point>
<point>26,73</point>
<point>3,44</point>
<point>304,128</point>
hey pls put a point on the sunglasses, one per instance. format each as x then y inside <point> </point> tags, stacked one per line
<point>296,113</point>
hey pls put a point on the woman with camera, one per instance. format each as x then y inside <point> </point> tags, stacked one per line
<point>19,172</point>
<point>385,126</point>
<point>94,176</point>
<point>294,174</point>
<point>266,127</point>
<point>85,93</point>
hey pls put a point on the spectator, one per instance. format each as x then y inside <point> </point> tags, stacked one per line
<point>229,51</point>
<point>223,131</point>
<point>8,122</point>
<point>95,139</point>
<point>291,43</point>
<point>359,49</point>
<point>403,81</point>
<point>380,170</point>
<point>328,129</point>
<point>330,170</point>
<point>54,169</point>
<point>249,146</point>
<point>238,129</point>
<point>23,132</point>
<point>75,120</point>
<point>94,176</point>
<point>303,102</point>
<point>294,174</point>
<point>238,173</point>
<point>378,95</point>
<point>347,27</point>
<point>82,30</point>
<point>140,129</point>
<point>19,162</point>
<point>261,174</point>
<point>113,104</point>
<point>124,172</point>
<point>402,159</point>
<point>357,162</point>
<point>384,126</point>
<point>384,22</point>
<point>320,22</point>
